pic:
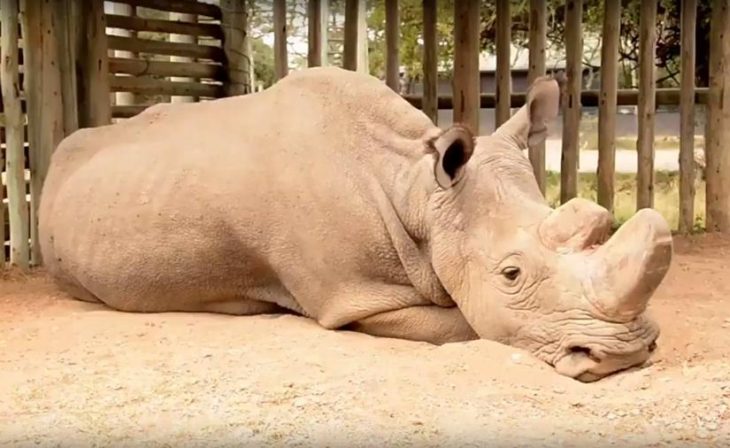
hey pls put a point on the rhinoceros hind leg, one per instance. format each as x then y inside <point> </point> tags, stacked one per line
<point>429,323</point>
<point>75,290</point>
<point>241,307</point>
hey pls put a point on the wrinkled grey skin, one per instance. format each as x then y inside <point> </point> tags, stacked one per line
<point>330,196</point>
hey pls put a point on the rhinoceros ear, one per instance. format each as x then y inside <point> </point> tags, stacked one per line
<point>543,99</point>
<point>453,149</point>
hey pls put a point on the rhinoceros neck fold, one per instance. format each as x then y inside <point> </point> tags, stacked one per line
<point>402,199</point>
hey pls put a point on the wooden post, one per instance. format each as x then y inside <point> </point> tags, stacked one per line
<point>93,66</point>
<point>392,61</point>
<point>466,63</point>
<point>646,107</point>
<point>718,129</point>
<point>281,60</point>
<point>65,17</point>
<point>687,117</point>
<point>349,50</point>
<point>236,47</point>
<point>15,139</point>
<point>430,61</point>
<point>187,39</point>
<point>317,32</point>
<point>362,38</point>
<point>572,114</point>
<point>45,100</point>
<point>536,47</point>
<point>607,107</point>
<point>504,75</point>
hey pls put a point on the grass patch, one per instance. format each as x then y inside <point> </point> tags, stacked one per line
<point>666,195</point>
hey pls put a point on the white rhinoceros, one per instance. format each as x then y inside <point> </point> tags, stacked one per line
<point>330,196</point>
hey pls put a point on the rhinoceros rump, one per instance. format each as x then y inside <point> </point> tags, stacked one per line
<point>330,196</point>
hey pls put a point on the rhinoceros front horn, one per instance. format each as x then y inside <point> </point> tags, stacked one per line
<point>621,275</point>
<point>630,266</point>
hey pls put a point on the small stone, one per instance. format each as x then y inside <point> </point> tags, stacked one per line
<point>558,390</point>
<point>516,358</point>
<point>711,426</point>
<point>635,412</point>
<point>611,416</point>
<point>678,426</point>
<point>299,402</point>
<point>703,434</point>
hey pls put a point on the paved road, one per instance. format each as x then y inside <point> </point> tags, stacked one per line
<point>664,160</point>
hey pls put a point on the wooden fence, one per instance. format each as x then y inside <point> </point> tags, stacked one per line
<point>143,51</point>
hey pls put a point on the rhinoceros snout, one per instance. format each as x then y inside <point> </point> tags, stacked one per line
<point>588,364</point>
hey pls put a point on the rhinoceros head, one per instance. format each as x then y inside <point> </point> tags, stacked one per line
<point>551,281</point>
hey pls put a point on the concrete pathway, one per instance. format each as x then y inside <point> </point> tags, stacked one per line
<point>626,160</point>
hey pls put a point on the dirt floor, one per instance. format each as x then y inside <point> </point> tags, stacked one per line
<point>78,374</point>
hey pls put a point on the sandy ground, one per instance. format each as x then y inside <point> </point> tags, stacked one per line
<point>79,375</point>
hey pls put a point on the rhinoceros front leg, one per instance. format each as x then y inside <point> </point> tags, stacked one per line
<point>428,323</point>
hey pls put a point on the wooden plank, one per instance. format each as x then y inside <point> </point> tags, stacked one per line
<point>164,26</point>
<point>537,42</point>
<point>572,111</point>
<point>430,60</point>
<point>392,58</point>
<point>94,66</point>
<point>148,86</point>
<point>646,109</point>
<point>15,139</point>
<point>466,63</point>
<point>349,50</point>
<point>281,58</point>
<point>181,6</point>
<point>718,128</point>
<point>317,32</point>
<point>140,67</point>
<point>607,108</point>
<point>504,75</point>
<point>197,51</point>
<point>688,32</point>
<point>589,98</point>
<point>121,98</point>
<point>186,39</point>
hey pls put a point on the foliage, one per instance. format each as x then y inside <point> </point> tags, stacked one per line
<point>411,37</point>
<point>667,49</point>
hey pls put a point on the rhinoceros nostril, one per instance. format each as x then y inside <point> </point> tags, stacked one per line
<point>652,346</point>
<point>586,351</point>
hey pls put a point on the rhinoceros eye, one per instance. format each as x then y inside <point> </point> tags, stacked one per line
<point>511,273</point>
